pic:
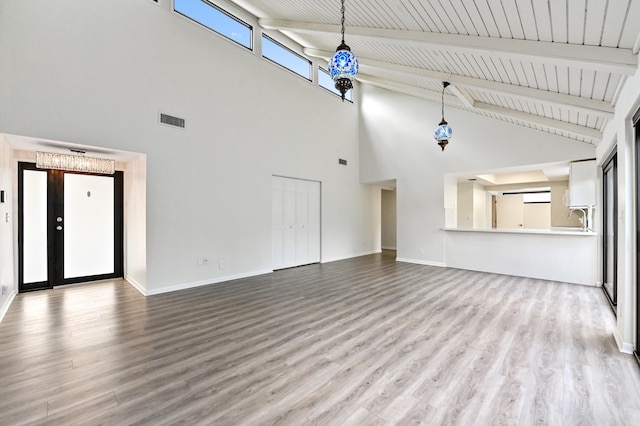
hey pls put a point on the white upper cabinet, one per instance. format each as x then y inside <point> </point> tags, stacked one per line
<point>582,183</point>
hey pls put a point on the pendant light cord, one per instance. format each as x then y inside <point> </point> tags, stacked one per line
<point>342,21</point>
<point>445,84</point>
<point>443,87</point>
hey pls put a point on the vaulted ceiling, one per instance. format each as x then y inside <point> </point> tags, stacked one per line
<point>556,66</point>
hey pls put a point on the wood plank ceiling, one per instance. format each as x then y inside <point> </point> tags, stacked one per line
<point>552,65</point>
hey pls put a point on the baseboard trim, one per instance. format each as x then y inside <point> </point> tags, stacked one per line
<point>624,347</point>
<point>5,308</point>
<point>135,284</point>
<point>389,248</point>
<point>186,286</point>
<point>335,259</point>
<point>421,262</point>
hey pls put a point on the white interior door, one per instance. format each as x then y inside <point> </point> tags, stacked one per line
<point>313,222</point>
<point>289,247</point>
<point>302,213</point>
<point>295,219</point>
<point>510,211</point>
<point>277,222</point>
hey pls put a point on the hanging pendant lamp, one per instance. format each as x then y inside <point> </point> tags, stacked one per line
<point>443,131</point>
<point>343,65</point>
<point>75,163</point>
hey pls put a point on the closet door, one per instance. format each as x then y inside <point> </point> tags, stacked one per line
<point>313,222</point>
<point>295,219</point>
<point>302,215</point>
<point>289,220</point>
<point>277,222</point>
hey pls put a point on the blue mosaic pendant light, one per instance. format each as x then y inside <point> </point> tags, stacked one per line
<point>443,132</point>
<point>343,65</point>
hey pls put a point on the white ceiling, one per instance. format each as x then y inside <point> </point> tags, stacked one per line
<point>539,173</point>
<point>552,65</point>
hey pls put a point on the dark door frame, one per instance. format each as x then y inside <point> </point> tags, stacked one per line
<point>55,240</point>
<point>610,166</point>
<point>636,128</point>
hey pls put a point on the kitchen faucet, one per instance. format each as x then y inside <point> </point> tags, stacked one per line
<point>583,220</point>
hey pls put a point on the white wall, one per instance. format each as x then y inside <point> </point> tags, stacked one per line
<point>466,205</point>
<point>7,237</point>
<point>98,73</point>
<point>480,219</point>
<point>538,216</point>
<point>135,222</point>
<point>561,214</point>
<point>471,206</point>
<point>396,143</point>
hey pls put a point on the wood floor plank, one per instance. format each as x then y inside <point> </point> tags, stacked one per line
<point>361,341</point>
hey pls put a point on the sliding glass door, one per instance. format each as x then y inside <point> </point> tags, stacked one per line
<point>636,129</point>
<point>610,229</point>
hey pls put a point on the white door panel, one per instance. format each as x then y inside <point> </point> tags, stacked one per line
<point>510,211</point>
<point>88,225</point>
<point>296,214</point>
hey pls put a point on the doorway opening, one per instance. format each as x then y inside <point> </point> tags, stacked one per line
<point>388,219</point>
<point>70,227</point>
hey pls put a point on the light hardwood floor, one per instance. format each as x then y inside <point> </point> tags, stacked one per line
<point>365,341</point>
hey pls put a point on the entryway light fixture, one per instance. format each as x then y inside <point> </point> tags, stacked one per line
<point>443,131</point>
<point>74,163</point>
<point>343,65</point>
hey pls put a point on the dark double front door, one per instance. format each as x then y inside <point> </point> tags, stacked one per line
<point>70,227</point>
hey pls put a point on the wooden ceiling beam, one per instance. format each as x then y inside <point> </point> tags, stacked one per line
<point>593,135</point>
<point>584,105</point>
<point>597,58</point>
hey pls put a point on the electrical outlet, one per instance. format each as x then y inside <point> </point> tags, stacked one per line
<point>222,264</point>
<point>202,261</point>
<point>5,290</point>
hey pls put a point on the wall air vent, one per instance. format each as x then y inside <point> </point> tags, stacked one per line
<point>170,120</point>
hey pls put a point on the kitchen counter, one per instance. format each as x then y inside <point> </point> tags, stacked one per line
<point>552,231</point>
<point>562,255</point>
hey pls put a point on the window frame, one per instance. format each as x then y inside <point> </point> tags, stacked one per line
<point>277,42</point>
<point>231,15</point>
